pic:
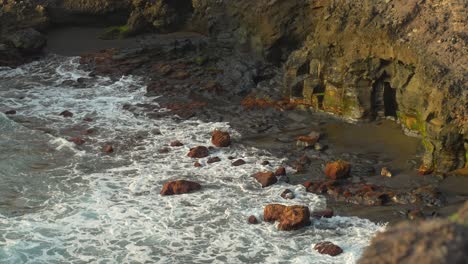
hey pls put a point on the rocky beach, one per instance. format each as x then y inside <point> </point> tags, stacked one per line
<point>233,131</point>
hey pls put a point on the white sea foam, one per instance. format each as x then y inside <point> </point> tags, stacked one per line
<point>116,215</point>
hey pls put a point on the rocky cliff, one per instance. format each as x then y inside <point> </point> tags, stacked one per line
<point>369,59</point>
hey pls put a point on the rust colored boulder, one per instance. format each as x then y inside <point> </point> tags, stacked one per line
<point>198,152</point>
<point>176,143</point>
<point>289,217</point>
<point>253,220</point>
<point>220,139</point>
<point>238,162</point>
<point>266,178</point>
<point>108,149</point>
<point>197,164</point>
<point>308,140</point>
<point>213,160</point>
<point>77,140</point>
<point>281,171</point>
<point>337,170</point>
<point>66,113</point>
<point>328,248</point>
<point>179,187</point>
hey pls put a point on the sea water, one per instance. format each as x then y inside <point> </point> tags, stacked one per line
<point>63,203</point>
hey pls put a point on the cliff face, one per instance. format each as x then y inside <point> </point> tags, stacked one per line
<point>358,59</point>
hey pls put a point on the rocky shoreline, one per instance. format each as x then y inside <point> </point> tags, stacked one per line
<point>276,80</point>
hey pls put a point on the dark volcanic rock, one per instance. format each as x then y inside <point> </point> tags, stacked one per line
<point>328,248</point>
<point>220,139</point>
<point>198,152</point>
<point>28,41</point>
<point>66,113</point>
<point>213,160</point>
<point>289,217</point>
<point>265,178</point>
<point>10,112</point>
<point>176,143</point>
<point>179,187</point>
<point>238,162</point>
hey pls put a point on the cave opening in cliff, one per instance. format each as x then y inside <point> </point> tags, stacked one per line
<point>384,101</point>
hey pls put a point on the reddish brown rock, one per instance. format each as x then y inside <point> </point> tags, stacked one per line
<point>238,162</point>
<point>328,213</point>
<point>198,152</point>
<point>220,139</point>
<point>108,149</point>
<point>213,160</point>
<point>253,220</point>
<point>66,113</point>
<point>10,112</point>
<point>309,140</point>
<point>176,143</point>
<point>77,140</point>
<point>289,217</point>
<point>328,248</point>
<point>307,184</point>
<point>338,170</point>
<point>179,187</point>
<point>281,171</point>
<point>197,164</point>
<point>265,178</point>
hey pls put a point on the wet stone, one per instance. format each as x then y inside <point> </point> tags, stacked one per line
<point>238,162</point>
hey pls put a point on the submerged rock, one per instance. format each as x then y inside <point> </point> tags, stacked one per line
<point>266,178</point>
<point>325,214</point>
<point>10,112</point>
<point>176,143</point>
<point>328,248</point>
<point>77,140</point>
<point>281,171</point>
<point>220,139</point>
<point>108,149</point>
<point>179,187</point>
<point>289,217</point>
<point>337,170</point>
<point>198,152</point>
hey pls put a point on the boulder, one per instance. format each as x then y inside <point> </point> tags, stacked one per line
<point>266,178</point>
<point>220,139</point>
<point>337,170</point>
<point>287,194</point>
<point>253,220</point>
<point>289,217</point>
<point>213,160</point>
<point>238,162</point>
<point>108,149</point>
<point>328,248</point>
<point>10,112</point>
<point>281,171</point>
<point>66,113</point>
<point>198,152</point>
<point>176,143</point>
<point>197,165</point>
<point>179,187</point>
<point>307,141</point>
<point>28,41</point>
